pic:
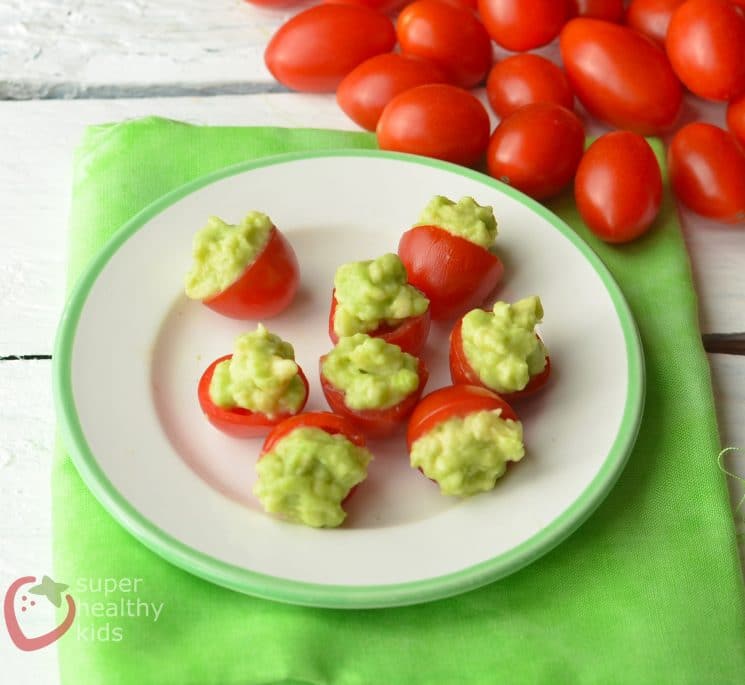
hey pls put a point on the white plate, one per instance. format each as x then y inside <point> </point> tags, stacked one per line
<point>131,349</point>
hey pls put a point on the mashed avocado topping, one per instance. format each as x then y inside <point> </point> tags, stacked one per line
<point>464,218</point>
<point>466,455</point>
<point>501,345</point>
<point>372,292</point>
<point>372,373</point>
<point>261,376</point>
<point>221,253</point>
<point>307,474</point>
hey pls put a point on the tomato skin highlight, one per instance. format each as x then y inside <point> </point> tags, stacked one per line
<point>448,35</point>
<point>652,17</point>
<point>454,273</point>
<point>607,10</point>
<point>369,87</point>
<point>736,119</point>
<point>520,25</point>
<point>620,76</point>
<point>537,149</point>
<point>706,46</point>
<point>384,6</point>
<point>239,422</point>
<point>436,120</point>
<point>524,79</point>
<point>618,187</point>
<point>314,50</point>
<point>707,172</point>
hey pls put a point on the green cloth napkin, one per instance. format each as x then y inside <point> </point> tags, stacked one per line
<point>649,590</point>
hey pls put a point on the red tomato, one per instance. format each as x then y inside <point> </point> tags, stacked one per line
<point>462,372</point>
<point>523,24</point>
<point>317,48</point>
<point>607,10</point>
<point>618,187</point>
<point>706,46</point>
<point>537,149</point>
<point>367,89</point>
<point>436,120</point>
<point>385,6</point>
<point>454,273</point>
<point>238,422</point>
<point>450,36</point>
<point>333,424</point>
<point>736,119</point>
<point>524,79</point>
<point>707,171</point>
<point>652,17</point>
<point>410,335</point>
<point>267,285</point>
<point>374,423</point>
<point>452,402</point>
<point>620,76</point>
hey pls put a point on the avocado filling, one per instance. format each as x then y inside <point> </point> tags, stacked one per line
<point>261,376</point>
<point>307,474</point>
<point>373,292</point>
<point>466,455</point>
<point>465,218</point>
<point>221,252</point>
<point>501,346</point>
<point>372,373</point>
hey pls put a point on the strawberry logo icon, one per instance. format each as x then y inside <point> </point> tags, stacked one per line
<point>54,593</point>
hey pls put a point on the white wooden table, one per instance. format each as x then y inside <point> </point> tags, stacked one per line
<point>65,64</point>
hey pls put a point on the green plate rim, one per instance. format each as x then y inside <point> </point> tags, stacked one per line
<point>321,595</point>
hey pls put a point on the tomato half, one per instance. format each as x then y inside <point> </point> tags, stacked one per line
<point>523,24</point>
<point>451,402</point>
<point>461,371</point>
<point>706,46</point>
<point>374,423</point>
<point>367,89</point>
<point>266,287</point>
<point>524,79</point>
<point>707,171</point>
<point>333,424</point>
<point>450,36</point>
<point>317,48</point>
<point>410,335</point>
<point>537,149</point>
<point>607,10</point>
<point>618,186</point>
<point>454,273</point>
<point>620,76</point>
<point>736,119</point>
<point>436,120</point>
<point>237,421</point>
<point>652,17</point>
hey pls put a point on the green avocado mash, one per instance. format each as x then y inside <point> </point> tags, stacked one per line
<point>221,253</point>
<point>371,292</point>
<point>261,376</point>
<point>307,475</point>
<point>464,218</point>
<point>466,455</point>
<point>372,373</point>
<point>501,345</point>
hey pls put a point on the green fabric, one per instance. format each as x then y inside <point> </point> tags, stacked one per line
<point>649,590</point>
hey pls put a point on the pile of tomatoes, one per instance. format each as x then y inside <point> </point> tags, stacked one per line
<point>627,65</point>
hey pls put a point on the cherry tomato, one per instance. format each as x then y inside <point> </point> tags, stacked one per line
<point>707,171</point>
<point>410,335</point>
<point>523,24</point>
<point>317,48</point>
<point>607,10</point>
<point>367,89</point>
<point>620,76</point>
<point>374,423</point>
<point>450,36</point>
<point>454,273</point>
<point>436,120</point>
<point>237,421</point>
<point>736,119</point>
<point>266,287</point>
<point>706,46</point>
<point>652,17</point>
<point>333,424</point>
<point>524,79</point>
<point>453,402</point>
<point>618,187</point>
<point>385,6</point>
<point>537,149</point>
<point>461,370</point>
